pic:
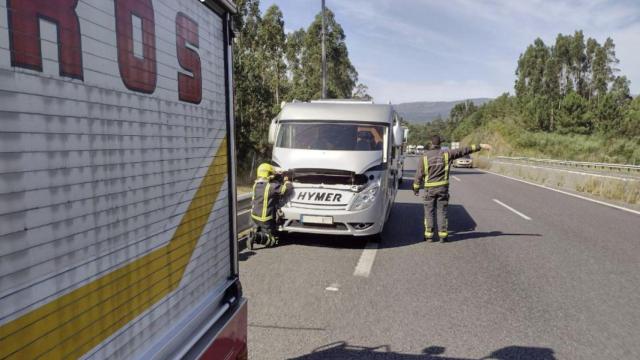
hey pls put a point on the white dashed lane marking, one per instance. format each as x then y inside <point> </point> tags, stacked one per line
<point>367,258</point>
<point>333,287</point>
<point>456,178</point>
<point>512,209</point>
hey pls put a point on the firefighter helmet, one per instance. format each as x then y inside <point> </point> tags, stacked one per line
<point>265,170</point>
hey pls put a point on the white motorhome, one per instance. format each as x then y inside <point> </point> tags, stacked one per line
<point>344,159</point>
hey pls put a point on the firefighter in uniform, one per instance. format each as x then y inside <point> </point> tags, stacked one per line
<point>269,191</point>
<point>433,175</point>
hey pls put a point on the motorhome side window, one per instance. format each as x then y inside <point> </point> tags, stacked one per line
<point>332,136</point>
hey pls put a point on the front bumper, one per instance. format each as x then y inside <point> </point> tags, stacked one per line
<point>355,223</point>
<point>463,165</point>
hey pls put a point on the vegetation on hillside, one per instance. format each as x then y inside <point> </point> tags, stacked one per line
<point>426,111</point>
<point>270,66</point>
<point>570,103</point>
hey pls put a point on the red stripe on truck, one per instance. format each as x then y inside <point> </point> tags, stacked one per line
<point>231,343</point>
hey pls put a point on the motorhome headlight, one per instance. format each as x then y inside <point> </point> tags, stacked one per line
<point>364,199</point>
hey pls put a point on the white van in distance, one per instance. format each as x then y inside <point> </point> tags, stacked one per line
<point>344,158</point>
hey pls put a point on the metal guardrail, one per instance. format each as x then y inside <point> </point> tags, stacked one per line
<point>577,164</point>
<point>244,213</point>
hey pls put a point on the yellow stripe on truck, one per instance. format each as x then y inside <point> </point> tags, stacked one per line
<point>75,323</point>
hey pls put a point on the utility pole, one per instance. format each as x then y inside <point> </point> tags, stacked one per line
<point>324,58</point>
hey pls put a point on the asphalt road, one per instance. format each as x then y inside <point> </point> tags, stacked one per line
<point>559,280</point>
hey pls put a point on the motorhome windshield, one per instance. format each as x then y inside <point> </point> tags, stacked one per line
<point>331,136</point>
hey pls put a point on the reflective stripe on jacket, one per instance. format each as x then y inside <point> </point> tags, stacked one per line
<point>433,170</point>
<point>266,197</point>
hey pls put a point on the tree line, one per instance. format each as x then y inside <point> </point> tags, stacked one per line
<point>271,66</point>
<point>570,87</point>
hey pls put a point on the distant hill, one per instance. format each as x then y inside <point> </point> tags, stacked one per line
<point>426,111</point>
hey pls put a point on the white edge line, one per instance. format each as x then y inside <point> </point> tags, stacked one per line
<point>512,209</point>
<point>566,193</point>
<point>456,178</point>
<point>366,260</point>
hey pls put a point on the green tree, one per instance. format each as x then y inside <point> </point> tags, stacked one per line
<point>562,53</point>
<point>417,134</point>
<point>294,51</point>
<point>630,126</point>
<point>271,38</point>
<point>578,62</point>
<point>611,107</point>
<point>590,53</point>
<point>533,68</point>
<point>552,92</point>
<point>574,116</point>
<point>361,92</point>
<point>461,110</point>
<point>341,74</point>
<point>530,69</point>
<point>571,87</point>
<point>253,96</point>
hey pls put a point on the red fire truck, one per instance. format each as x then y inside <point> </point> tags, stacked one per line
<point>117,184</point>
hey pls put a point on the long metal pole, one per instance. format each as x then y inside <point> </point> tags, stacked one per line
<point>324,58</point>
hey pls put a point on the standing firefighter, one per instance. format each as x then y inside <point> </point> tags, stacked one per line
<point>433,175</point>
<point>269,191</point>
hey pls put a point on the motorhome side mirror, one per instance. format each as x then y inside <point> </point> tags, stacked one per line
<point>273,129</point>
<point>398,135</point>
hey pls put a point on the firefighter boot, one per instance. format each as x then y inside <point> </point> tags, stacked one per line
<point>272,240</point>
<point>428,235</point>
<point>443,236</point>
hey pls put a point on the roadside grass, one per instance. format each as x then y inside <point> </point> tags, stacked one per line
<point>619,190</point>
<point>510,139</point>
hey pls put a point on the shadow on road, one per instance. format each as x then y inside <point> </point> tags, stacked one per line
<point>406,225</point>
<point>459,219</point>
<point>333,241</point>
<point>342,350</point>
<point>459,236</point>
<point>245,255</point>
<point>404,228</point>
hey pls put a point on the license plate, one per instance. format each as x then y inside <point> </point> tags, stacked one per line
<point>308,219</point>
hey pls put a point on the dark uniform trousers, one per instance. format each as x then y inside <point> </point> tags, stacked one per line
<point>436,201</point>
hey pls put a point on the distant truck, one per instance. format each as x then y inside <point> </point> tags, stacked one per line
<point>411,149</point>
<point>420,149</point>
<point>117,201</point>
<point>345,163</point>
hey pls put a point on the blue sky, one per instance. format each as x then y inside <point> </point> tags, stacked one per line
<point>414,50</point>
